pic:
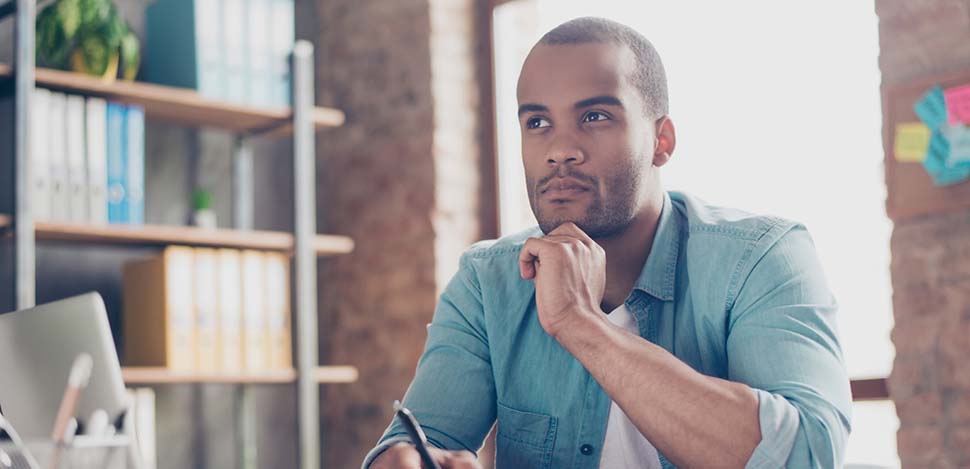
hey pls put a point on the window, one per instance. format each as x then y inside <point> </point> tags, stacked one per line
<point>780,117</point>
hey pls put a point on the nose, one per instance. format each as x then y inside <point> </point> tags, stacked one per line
<point>565,150</point>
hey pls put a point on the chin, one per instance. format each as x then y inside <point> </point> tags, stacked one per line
<point>548,225</point>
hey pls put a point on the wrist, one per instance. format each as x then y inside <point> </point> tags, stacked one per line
<point>581,327</point>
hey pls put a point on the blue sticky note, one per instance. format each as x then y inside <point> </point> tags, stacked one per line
<point>936,165</point>
<point>931,108</point>
<point>936,154</point>
<point>958,136</point>
<point>952,175</point>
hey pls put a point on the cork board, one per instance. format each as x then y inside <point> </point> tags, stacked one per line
<point>910,190</point>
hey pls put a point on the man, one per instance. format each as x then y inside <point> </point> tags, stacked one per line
<point>639,328</point>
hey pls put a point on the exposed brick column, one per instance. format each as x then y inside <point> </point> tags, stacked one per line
<point>930,382</point>
<point>403,178</point>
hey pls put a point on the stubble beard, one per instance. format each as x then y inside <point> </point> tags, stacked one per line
<point>602,218</point>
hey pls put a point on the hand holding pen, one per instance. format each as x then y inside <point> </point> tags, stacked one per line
<point>418,454</point>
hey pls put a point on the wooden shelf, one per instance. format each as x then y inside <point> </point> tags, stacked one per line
<point>157,375</point>
<point>181,105</point>
<point>873,389</point>
<point>156,235</point>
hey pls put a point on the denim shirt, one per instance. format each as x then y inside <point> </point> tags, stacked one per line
<point>734,295</point>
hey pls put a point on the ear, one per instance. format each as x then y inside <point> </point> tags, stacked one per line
<point>665,141</point>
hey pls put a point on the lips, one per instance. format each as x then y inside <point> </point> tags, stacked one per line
<point>562,188</point>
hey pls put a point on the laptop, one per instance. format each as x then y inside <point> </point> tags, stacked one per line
<point>37,348</point>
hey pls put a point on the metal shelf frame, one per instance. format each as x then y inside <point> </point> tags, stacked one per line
<point>304,173</point>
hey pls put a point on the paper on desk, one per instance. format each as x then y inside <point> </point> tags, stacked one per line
<point>912,140</point>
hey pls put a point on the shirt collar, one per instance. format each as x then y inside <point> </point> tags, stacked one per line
<point>659,272</point>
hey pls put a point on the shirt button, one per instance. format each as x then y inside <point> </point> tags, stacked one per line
<point>586,449</point>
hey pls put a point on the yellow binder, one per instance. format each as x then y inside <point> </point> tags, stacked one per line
<point>278,309</point>
<point>158,316</point>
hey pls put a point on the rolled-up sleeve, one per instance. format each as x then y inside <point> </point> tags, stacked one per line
<point>453,391</point>
<point>783,343</point>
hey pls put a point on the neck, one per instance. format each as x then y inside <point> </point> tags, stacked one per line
<point>627,252</point>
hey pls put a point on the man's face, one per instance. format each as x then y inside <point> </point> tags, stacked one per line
<point>587,145</point>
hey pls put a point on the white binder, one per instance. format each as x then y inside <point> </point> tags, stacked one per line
<point>57,162</point>
<point>96,127</point>
<point>40,154</point>
<point>77,188</point>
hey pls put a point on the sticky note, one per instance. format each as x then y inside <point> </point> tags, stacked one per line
<point>952,176</point>
<point>936,154</point>
<point>912,140</point>
<point>931,108</point>
<point>958,136</point>
<point>957,100</point>
<point>936,165</point>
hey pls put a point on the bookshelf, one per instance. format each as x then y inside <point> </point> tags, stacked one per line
<point>181,105</point>
<point>158,235</point>
<point>299,122</point>
<point>153,375</point>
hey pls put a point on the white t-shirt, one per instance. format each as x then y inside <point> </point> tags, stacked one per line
<point>624,446</point>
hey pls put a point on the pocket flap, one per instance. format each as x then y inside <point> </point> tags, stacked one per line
<point>524,427</point>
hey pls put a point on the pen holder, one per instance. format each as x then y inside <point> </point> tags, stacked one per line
<point>84,452</point>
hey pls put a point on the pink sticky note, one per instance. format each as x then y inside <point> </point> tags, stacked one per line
<point>957,104</point>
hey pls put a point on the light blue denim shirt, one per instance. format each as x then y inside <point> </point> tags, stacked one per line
<point>734,295</point>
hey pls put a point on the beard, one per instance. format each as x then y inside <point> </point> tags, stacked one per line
<point>612,207</point>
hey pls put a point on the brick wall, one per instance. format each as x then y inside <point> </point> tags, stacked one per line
<point>403,178</point>
<point>930,382</point>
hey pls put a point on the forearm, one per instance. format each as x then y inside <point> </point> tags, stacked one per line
<point>693,419</point>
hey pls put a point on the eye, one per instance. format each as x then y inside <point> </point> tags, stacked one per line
<point>594,116</point>
<point>537,123</point>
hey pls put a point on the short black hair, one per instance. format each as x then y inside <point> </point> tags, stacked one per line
<point>649,77</point>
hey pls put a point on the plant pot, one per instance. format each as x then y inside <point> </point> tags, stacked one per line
<point>78,65</point>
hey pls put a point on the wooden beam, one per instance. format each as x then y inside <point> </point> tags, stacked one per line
<point>874,389</point>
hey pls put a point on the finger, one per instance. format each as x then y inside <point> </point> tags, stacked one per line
<point>461,460</point>
<point>572,243</point>
<point>528,256</point>
<point>562,239</point>
<point>573,230</point>
<point>440,456</point>
<point>400,456</point>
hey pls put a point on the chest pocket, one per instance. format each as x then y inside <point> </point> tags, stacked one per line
<point>525,439</point>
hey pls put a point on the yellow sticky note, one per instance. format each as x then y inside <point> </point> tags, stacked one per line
<point>912,140</point>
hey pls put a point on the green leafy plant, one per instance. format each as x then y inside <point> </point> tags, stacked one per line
<point>88,36</point>
<point>202,199</point>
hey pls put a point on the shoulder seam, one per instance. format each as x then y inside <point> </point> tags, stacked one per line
<point>778,224</point>
<point>749,234</point>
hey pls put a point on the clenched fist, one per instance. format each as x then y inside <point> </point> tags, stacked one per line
<point>569,271</point>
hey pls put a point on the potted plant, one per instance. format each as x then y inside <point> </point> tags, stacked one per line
<point>87,36</point>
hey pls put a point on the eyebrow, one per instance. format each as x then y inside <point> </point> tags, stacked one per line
<point>532,108</point>
<point>604,100</point>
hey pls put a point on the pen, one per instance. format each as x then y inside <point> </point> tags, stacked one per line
<point>417,435</point>
<point>80,373</point>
